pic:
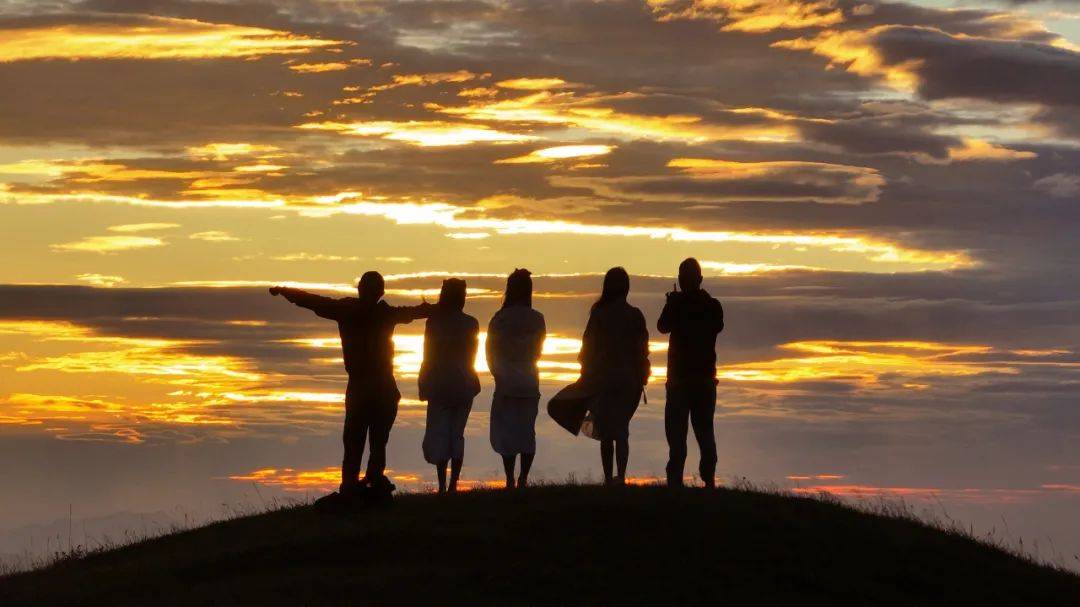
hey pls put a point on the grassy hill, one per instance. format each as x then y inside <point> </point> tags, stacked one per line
<point>556,545</point>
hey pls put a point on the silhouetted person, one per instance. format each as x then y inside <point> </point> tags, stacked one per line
<point>448,381</point>
<point>615,367</point>
<point>515,340</point>
<point>366,325</point>
<point>694,319</point>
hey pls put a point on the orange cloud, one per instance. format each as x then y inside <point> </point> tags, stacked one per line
<point>151,38</point>
<point>872,364</point>
<point>978,150</point>
<point>754,16</point>
<point>532,84</point>
<point>557,153</point>
<point>109,244</point>
<point>423,133</point>
<point>327,66</point>
<point>591,113</point>
<point>101,280</point>
<point>930,494</point>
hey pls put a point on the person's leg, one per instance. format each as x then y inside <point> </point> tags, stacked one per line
<point>381,423</point>
<point>457,442</point>
<point>526,465</point>
<point>508,468</point>
<point>353,436</point>
<point>622,456</point>
<point>607,450</point>
<point>440,471</point>
<point>701,417</point>
<point>675,421</point>
<point>455,472</point>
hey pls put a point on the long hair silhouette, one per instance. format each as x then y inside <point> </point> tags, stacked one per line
<point>452,295</point>
<point>616,287</point>
<point>518,289</point>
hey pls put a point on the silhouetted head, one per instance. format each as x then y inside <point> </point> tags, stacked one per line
<point>371,286</point>
<point>452,296</point>
<point>518,289</point>
<point>616,287</point>
<point>690,274</point>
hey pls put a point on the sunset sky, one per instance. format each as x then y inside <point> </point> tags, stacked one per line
<point>884,196</point>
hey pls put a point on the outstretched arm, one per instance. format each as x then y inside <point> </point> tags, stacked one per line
<point>326,307</point>
<point>405,314</point>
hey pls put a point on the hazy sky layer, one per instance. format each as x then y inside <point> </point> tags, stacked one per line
<point>885,196</point>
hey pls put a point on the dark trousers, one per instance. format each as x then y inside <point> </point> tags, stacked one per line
<point>370,410</point>
<point>696,403</point>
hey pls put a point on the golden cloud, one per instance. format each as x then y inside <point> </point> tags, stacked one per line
<point>428,79</point>
<point>213,236</point>
<point>532,84</point>
<point>142,227</point>
<point>592,113</point>
<point>101,280</point>
<point>871,364</point>
<point>109,244</point>
<point>454,218</point>
<point>753,16</point>
<point>327,66</point>
<point>854,51</point>
<point>978,150</point>
<point>556,153</point>
<point>151,38</point>
<point>423,133</point>
<point>224,151</point>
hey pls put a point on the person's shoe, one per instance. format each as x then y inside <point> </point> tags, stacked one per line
<point>380,491</point>
<point>615,481</point>
<point>352,489</point>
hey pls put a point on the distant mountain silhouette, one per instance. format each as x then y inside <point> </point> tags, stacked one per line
<point>557,545</point>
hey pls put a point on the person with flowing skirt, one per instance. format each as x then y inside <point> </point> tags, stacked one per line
<point>515,340</point>
<point>614,369</point>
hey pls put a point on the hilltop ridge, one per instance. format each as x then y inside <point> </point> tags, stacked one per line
<point>555,545</point>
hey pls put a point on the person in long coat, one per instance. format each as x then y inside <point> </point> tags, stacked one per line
<point>614,369</point>
<point>515,339</point>
<point>448,381</point>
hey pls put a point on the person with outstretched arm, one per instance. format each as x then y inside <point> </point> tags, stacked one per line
<point>694,319</point>
<point>366,325</point>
